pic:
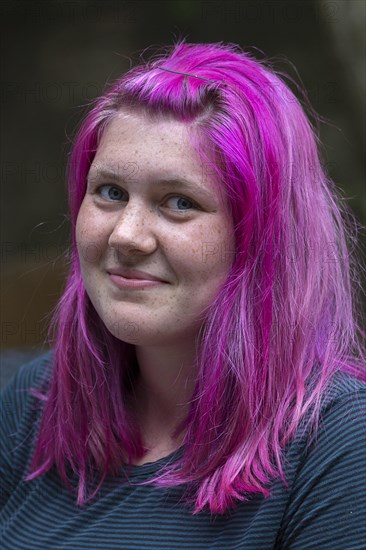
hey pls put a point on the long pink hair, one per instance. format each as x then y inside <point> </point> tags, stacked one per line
<point>285,321</point>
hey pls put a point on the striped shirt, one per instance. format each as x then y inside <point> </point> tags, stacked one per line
<point>324,506</point>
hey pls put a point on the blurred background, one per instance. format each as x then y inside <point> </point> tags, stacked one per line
<point>58,55</point>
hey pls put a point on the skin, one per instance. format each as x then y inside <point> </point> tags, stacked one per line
<point>134,219</point>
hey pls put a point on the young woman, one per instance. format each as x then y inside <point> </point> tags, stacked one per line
<point>206,384</point>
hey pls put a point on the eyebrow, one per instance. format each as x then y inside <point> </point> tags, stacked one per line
<point>176,182</point>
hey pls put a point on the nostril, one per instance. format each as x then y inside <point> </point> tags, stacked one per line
<point>139,240</point>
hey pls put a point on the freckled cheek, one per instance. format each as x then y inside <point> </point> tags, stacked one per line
<point>214,250</point>
<point>91,238</point>
<point>202,256</point>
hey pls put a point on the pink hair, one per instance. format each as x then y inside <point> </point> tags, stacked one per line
<point>285,321</point>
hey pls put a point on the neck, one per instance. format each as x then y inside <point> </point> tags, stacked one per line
<point>165,386</point>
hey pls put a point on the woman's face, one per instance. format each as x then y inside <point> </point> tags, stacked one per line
<point>150,206</point>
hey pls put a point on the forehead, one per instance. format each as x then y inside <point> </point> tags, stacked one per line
<point>134,133</point>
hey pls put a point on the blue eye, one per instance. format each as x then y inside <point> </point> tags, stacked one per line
<point>184,203</point>
<point>110,192</point>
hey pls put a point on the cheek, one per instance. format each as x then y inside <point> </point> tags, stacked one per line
<point>215,249</point>
<point>217,256</point>
<point>91,237</point>
<point>206,253</point>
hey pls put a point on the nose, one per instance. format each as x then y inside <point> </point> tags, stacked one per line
<point>133,232</point>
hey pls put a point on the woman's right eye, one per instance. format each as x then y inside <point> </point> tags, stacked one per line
<point>110,192</point>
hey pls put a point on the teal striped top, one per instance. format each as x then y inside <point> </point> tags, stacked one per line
<point>324,506</point>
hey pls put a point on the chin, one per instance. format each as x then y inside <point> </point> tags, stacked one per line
<point>138,334</point>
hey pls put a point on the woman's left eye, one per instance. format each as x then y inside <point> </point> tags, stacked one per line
<point>182,203</point>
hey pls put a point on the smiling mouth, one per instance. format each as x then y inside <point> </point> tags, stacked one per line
<point>133,284</point>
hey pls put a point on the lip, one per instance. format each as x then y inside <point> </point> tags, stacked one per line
<point>133,279</point>
<point>134,274</point>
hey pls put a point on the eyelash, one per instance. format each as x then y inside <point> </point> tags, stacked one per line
<point>104,186</point>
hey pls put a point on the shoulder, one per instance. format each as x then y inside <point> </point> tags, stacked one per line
<point>31,371</point>
<point>342,414</point>
<point>19,413</point>
<point>328,473</point>
<point>339,436</point>
<point>16,396</point>
<point>343,387</point>
<point>344,394</point>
